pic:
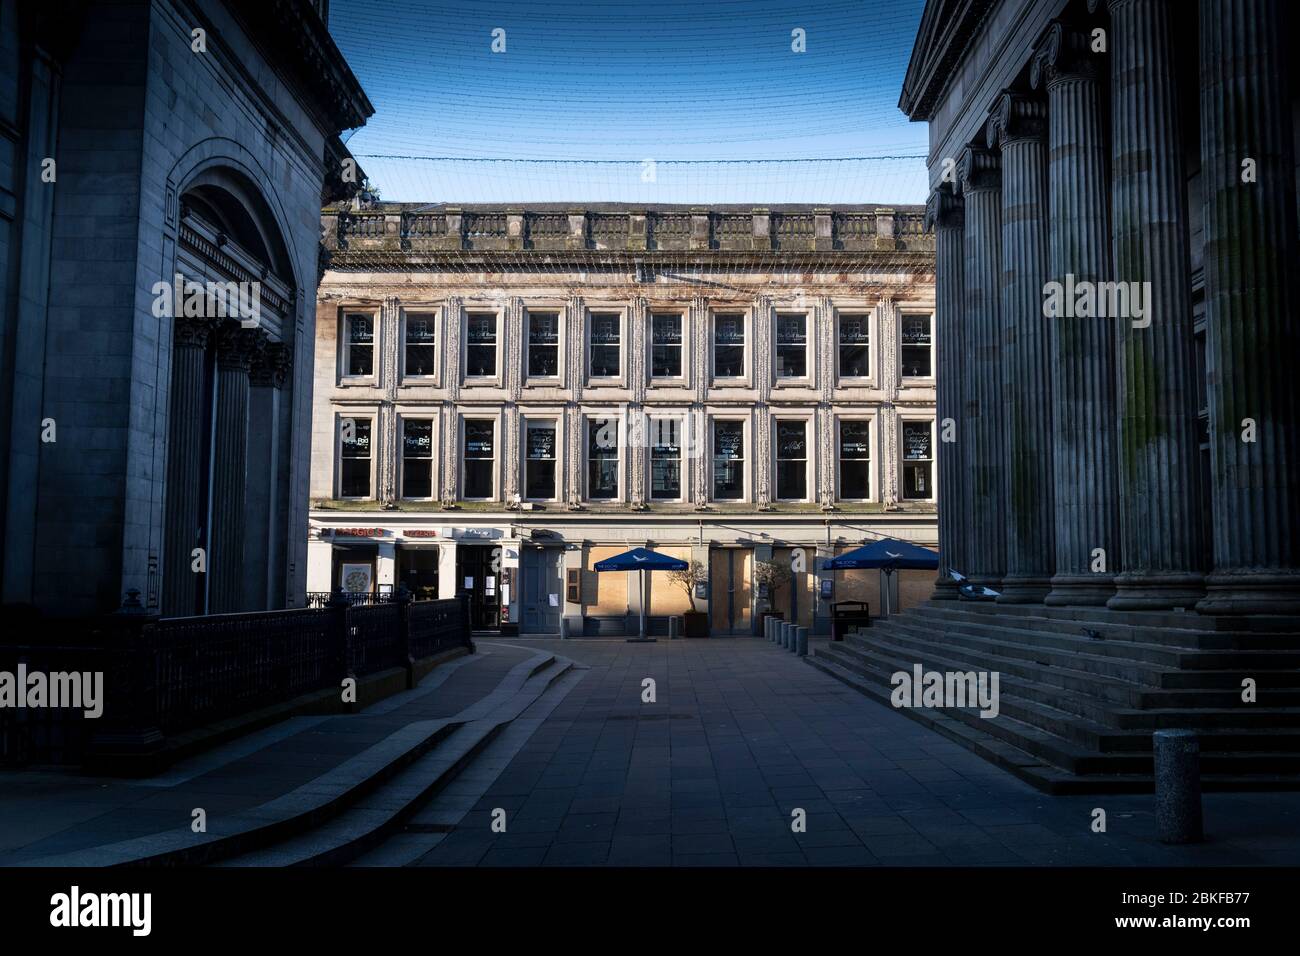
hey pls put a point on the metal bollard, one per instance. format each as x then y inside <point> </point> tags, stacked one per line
<point>564,628</point>
<point>801,641</point>
<point>1178,785</point>
<point>767,628</point>
<point>780,633</point>
<point>788,643</point>
<point>672,628</point>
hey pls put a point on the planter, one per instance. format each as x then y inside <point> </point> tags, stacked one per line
<point>695,624</point>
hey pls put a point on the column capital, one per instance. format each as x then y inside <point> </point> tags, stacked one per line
<point>271,365</point>
<point>192,332</point>
<point>1061,54</point>
<point>979,168</point>
<point>944,209</point>
<point>237,347</point>
<point>1015,117</point>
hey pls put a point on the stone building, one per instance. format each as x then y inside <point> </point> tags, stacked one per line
<point>1146,460</point>
<point>150,448</point>
<point>505,396</point>
<point>1116,245</point>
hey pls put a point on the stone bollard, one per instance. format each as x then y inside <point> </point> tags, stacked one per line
<point>767,628</point>
<point>780,633</point>
<point>801,641</point>
<point>672,627</point>
<point>788,643</point>
<point>1178,785</point>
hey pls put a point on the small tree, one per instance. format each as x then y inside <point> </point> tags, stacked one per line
<point>770,575</point>
<point>687,578</point>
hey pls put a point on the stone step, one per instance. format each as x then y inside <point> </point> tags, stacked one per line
<point>1164,620</point>
<point>1054,765</point>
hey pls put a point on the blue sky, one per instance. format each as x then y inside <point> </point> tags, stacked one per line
<point>675,81</point>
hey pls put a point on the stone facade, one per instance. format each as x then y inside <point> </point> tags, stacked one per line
<point>186,138</point>
<point>740,324</point>
<point>1147,461</point>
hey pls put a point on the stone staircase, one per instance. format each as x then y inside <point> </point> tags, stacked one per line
<point>1077,710</point>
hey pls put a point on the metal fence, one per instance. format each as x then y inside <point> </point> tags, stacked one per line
<point>165,677</point>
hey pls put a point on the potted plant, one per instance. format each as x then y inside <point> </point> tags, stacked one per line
<point>695,622</point>
<point>768,577</point>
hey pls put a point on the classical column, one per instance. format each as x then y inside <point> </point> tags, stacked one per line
<point>235,350</point>
<point>1160,533</point>
<point>264,508</point>
<point>1083,361</point>
<point>982,433</point>
<point>187,439</point>
<point>1252,307</point>
<point>1017,127</point>
<point>943,214</point>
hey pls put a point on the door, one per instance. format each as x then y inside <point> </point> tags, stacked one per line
<point>477,571</point>
<point>729,591</point>
<point>543,590</point>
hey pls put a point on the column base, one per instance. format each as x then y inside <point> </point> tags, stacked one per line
<point>945,589</point>
<point>1266,593</point>
<point>1087,590</point>
<point>1024,590</point>
<point>1156,592</point>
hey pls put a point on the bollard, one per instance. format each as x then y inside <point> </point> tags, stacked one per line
<point>801,641</point>
<point>564,628</point>
<point>767,628</point>
<point>781,628</point>
<point>788,637</point>
<point>1178,785</point>
<point>672,628</point>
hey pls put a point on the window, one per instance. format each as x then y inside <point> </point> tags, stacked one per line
<point>855,459</point>
<point>359,345</point>
<point>855,350</point>
<point>539,463</point>
<point>792,346</point>
<point>666,346</point>
<point>417,458</point>
<point>666,459</point>
<point>728,461</point>
<point>728,346</point>
<point>420,352</point>
<point>481,345</point>
<point>543,344</point>
<point>916,346</point>
<point>918,460</point>
<point>792,460</point>
<point>479,457</point>
<point>602,458</point>
<point>606,330</point>
<point>354,458</point>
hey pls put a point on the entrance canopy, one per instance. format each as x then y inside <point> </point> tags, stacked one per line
<point>641,559</point>
<point>889,554</point>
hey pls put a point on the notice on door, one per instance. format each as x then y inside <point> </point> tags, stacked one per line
<point>555,600</point>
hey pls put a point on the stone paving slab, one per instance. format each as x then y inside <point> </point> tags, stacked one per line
<point>743,732</point>
<point>49,813</point>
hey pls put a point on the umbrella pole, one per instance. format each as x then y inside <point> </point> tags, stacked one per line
<point>641,632</point>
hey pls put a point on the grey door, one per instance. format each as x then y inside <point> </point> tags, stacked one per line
<point>541,572</point>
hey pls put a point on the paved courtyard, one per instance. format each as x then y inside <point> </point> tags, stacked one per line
<point>742,734</point>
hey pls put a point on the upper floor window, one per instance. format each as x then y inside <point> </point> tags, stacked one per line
<point>855,459</point>
<point>420,345</point>
<point>728,345</point>
<point>915,358</point>
<point>359,344</point>
<point>854,345</point>
<point>918,460</point>
<point>479,457</point>
<point>354,458</point>
<point>728,460</point>
<point>666,346</point>
<point>543,344</point>
<point>602,458</point>
<point>792,345</point>
<point>481,345</point>
<point>539,463</point>
<point>417,458</point>
<point>666,459</point>
<point>792,460</point>
<point>606,335</point>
